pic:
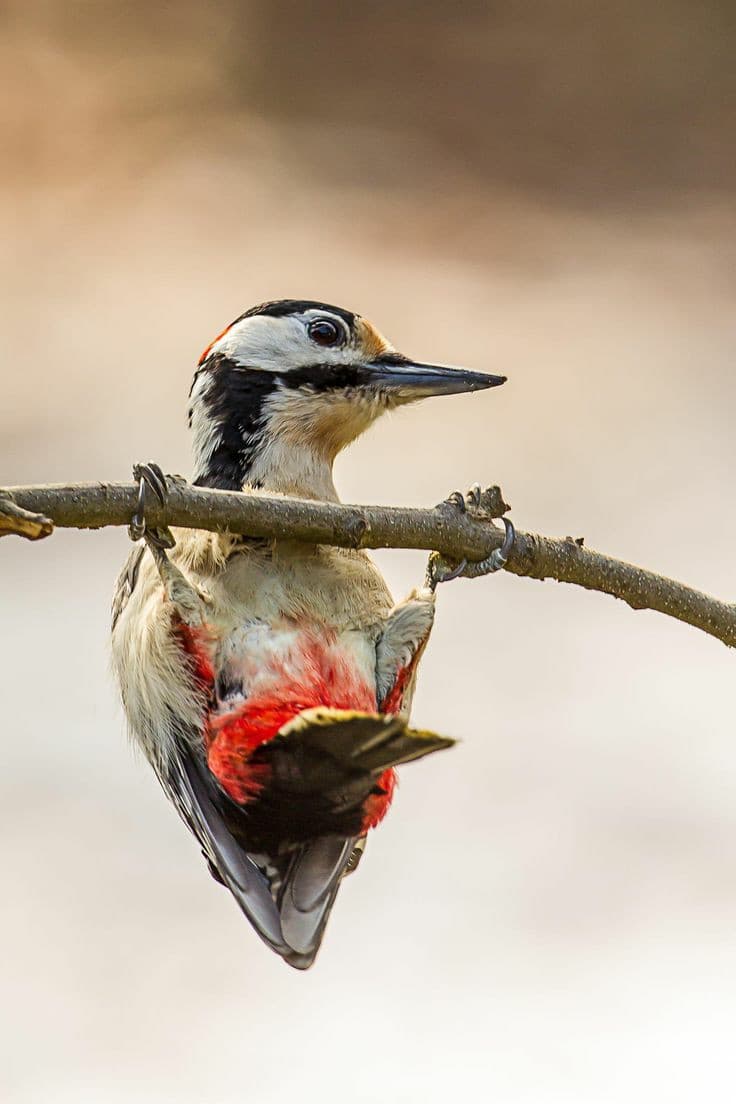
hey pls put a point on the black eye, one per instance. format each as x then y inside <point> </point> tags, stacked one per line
<point>324,332</point>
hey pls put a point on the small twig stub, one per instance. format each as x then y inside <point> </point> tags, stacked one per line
<point>24,523</point>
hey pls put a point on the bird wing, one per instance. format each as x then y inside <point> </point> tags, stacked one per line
<point>291,920</point>
<point>125,583</point>
<point>197,799</point>
<point>308,894</point>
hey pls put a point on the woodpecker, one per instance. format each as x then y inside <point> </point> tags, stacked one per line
<point>269,682</point>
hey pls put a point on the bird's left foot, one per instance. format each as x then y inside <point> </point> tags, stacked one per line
<point>478,502</point>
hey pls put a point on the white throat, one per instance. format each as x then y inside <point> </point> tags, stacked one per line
<point>293,470</point>
<point>302,435</point>
<point>287,443</point>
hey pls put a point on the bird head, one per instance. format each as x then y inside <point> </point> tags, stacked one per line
<point>289,384</point>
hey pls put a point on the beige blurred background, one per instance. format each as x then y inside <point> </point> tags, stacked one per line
<point>549,914</point>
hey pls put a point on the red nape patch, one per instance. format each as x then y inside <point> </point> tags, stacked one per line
<point>197,643</point>
<point>377,805</point>
<point>214,341</point>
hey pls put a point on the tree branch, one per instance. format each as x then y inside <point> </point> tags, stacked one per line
<point>444,529</point>
<point>14,519</point>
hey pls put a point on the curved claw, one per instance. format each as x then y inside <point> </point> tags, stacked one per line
<point>456,499</point>
<point>151,477</point>
<point>499,556</point>
<point>477,499</point>
<point>137,526</point>
<point>452,573</point>
<point>474,496</point>
<point>439,571</point>
<point>154,478</point>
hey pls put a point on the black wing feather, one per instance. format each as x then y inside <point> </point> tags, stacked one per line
<point>287,890</point>
<point>196,798</point>
<point>308,894</point>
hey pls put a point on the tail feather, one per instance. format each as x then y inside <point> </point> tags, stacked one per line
<point>325,767</point>
<point>370,742</point>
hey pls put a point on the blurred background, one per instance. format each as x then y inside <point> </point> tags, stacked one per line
<point>545,190</point>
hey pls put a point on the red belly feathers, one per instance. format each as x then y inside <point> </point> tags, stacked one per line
<point>327,678</point>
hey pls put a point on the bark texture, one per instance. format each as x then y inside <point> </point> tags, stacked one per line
<point>33,512</point>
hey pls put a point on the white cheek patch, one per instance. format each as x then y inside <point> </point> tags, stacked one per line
<point>277,344</point>
<point>207,438</point>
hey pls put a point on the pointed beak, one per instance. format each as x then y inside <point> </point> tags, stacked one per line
<point>407,380</point>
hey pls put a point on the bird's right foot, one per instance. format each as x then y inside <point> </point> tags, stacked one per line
<point>188,601</point>
<point>149,478</point>
<point>479,502</point>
